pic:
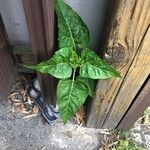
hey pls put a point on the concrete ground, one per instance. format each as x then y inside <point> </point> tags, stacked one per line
<point>17,133</point>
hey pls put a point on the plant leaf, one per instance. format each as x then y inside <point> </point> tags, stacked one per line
<point>60,65</point>
<point>70,95</point>
<point>89,83</point>
<point>72,30</point>
<point>67,55</point>
<point>94,67</point>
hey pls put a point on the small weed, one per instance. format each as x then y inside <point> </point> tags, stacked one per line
<point>120,140</point>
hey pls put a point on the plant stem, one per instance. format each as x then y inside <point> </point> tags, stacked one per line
<point>73,77</point>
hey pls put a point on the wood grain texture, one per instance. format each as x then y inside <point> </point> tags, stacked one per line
<point>36,22</point>
<point>128,45</point>
<point>49,22</point>
<point>134,79</point>
<point>141,102</point>
<point>7,67</point>
<point>50,34</point>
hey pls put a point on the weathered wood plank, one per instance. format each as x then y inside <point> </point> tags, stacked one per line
<point>141,102</point>
<point>134,79</point>
<point>49,22</point>
<point>128,46</point>
<point>7,72</point>
<point>7,68</point>
<point>36,26</point>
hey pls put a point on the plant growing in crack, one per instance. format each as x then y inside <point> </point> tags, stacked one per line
<point>73,57</point>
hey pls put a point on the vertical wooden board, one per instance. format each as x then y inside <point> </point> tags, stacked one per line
<point>141,102</point>
<point>7,72</point>
<point>49,22</point>
<point>37,31</point>
<point>7,68</point>
<point>35,21</point>
<point>100,102</point>
<point>134,79</point>
<point>129,27</point>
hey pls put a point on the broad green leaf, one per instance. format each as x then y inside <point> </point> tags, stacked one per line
<point>94,67</point>
<point>72,30</point>
<point>67,55</point>
<point>70,95</point>
<point>60,65</point>
<point>89,83</point>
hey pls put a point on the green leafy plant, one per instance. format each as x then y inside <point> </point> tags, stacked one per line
<point>121,140</point>
<point>74,55</point>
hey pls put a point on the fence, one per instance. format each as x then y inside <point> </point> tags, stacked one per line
<point>118,102</point>
<point>127,42</point>
<point>40,21</point>
<point>7,68</point>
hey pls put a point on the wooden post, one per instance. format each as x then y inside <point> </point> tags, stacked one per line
<point>7,67</point>
<point>41,31</point>
<point>142,101</point>
<point>128,45</point>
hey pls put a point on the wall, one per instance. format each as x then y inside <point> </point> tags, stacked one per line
<point>92,12</point>
<point>14,20</point>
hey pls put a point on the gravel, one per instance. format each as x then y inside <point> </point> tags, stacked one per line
<point>141,134</point>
